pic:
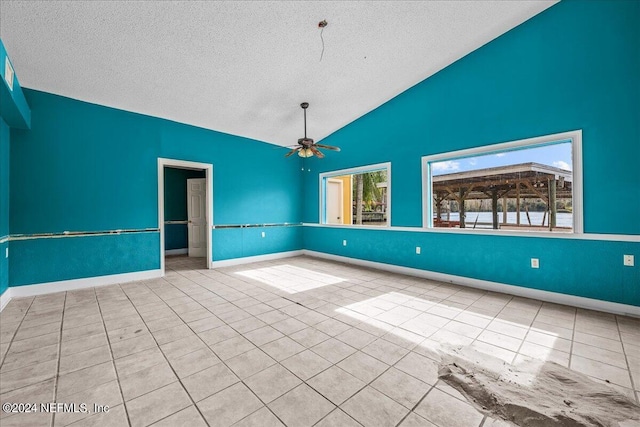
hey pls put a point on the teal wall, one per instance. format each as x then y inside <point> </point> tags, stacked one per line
<point>175,206</point>
<point>84,167</point>
<point>574,66</point>
<point>14,109</point>
<point>229,243</point>
<point>4,205</point>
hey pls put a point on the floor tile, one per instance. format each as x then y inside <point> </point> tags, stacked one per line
<point>289,326</point>
<point>601,370</point>
<point>336,384</point>
<point>263,417</point>
<point>28,375</point>
<point>84,359</point>
<point>306,364</point>
<point>209,381</point>
<point>282,348</point>
<point>333,350</point>
<point>188,417</point>
<point>23,359</point>
<point>385,351</point>
<point>272,383</point>
<point>138,361</point>
<point>263,335</point>
<point>134,345</point>
<point>289,407</point>
<point>447,411</point>
<point>372,409</point>
<point>107,394</point>
<point>356,338</point>
<point>182,347</point>
<point>193,362</point>
<point>146,380</point>
<point>157,405</point>
<point>414,420</point>
<point>229,405</point>
<point>69,347</point>
<point>363,366</point>
<point>338,418</point>
<point>232,347</point>
<point>420,367</point>
<point>401,387</point>
<point>250,363</point>
<point>309,337</point>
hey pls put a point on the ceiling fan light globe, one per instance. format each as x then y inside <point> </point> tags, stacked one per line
<point>308,152</point>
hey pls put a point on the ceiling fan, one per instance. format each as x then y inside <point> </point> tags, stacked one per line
<point>306,147</point>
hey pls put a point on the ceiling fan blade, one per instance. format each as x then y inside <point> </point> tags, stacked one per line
<point>292,151</point>
<point>328,147</point>
<point>317,152</point>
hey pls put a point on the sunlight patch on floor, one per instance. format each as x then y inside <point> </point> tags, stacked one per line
<point>291,279</point>
<point>444,327</point>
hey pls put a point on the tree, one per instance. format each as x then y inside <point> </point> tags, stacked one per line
<point>367,191</point>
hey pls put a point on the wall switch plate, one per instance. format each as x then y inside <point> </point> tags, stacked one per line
<point>264,234</point>
<point>535,263</point>
<point>6,253</point>
<point>417,250</point>
<point>628,260</point>
<point>344,243</point>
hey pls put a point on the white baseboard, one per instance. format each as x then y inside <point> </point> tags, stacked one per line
<point>182,251</point>
<point>88,282</point>
<point>257,258</point>
<point>5,298</point>
<point>558,298</point>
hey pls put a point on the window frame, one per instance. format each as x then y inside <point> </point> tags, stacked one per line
<point>322,218</point>
<point>575,137</point>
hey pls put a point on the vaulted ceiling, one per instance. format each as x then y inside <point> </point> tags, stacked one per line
<point>244,67</point>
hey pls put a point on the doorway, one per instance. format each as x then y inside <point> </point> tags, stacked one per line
<point>335,191</point>
<point>185,213</point>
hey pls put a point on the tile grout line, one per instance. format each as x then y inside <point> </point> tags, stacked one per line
<point>179,380</point>
<point>221,360</point>
<point>113,360</point>
<point>16,332</point>
<point>55,383</point>
<point>626,359</point>
<point>524,339</point>
<point>573,335</point>
<point>278,363</point>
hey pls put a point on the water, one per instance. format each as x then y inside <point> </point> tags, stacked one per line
<point>562,219</point>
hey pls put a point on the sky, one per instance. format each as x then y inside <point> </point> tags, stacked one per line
<point>558,155</point>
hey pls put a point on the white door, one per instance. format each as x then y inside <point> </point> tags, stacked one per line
<point>334,201</point>
<point>196,215</point>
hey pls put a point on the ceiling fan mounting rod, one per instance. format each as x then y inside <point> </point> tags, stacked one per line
<point>304,106</point>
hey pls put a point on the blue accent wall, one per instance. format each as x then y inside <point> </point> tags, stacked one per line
<point>574,66</point>
<point>4,204</point>
<point>85,167</point>
<point>229,243</point>
<point>14,109</point>
<point>175,206</point>
<point>54,259</point>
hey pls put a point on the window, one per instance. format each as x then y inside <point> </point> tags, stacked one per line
<point>528,185</point>
<point>357,196</point>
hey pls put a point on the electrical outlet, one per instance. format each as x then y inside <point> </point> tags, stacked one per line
<point>417,250</point>
<point>535,263</point>
<point>264,234</point>
<point>628,260</point>
<point>344,243</point>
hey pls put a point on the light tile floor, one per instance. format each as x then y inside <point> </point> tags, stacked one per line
<point>298,341</point>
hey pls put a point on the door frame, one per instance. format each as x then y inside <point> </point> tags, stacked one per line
<point>186,164</point>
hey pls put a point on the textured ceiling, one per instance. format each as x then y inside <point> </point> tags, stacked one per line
<point>244,67</point>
